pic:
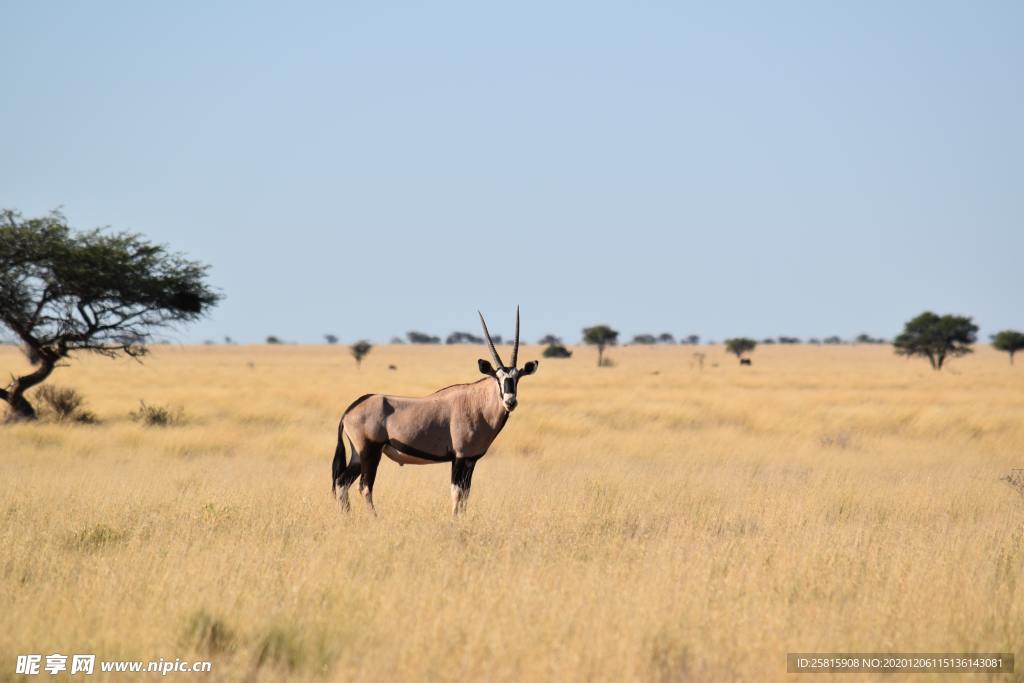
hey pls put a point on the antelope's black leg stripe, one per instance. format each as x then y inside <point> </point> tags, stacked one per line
<point>462,472</point>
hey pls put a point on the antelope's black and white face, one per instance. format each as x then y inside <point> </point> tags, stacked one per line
<point>506,376</point>
<point>508,380</point>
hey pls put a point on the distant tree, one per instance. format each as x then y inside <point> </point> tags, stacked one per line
<point>767,340</point>
<point>273,339</point>
<point>666,338</point>
<point>739,346</point>
<point>789,340</point>
<point>1010,341</point>
<point>692,339</point>
<point>228,340</point>
<point>600,336</point>
<point>64,291</point>
<point>698,358</point>
<point>209,342</point>
<point>834,339</point>
<point>936,337</point>
<point>556,351</point>
<point>814,340</point>
<point>331,339</point>
<point>645,339</point>
<point>422,338</point>
<point>463,338</point>
<point>397,340</point>
<point>549,339</point>
<point>359,351</point>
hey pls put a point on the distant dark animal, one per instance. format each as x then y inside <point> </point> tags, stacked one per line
<point>392,367</point>
<point>745,361</point>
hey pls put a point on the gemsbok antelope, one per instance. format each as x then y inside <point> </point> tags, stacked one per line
<point>456,424</point>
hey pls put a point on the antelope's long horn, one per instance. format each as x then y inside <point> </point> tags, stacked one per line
<point>515,346</point>
<point>490,343</point>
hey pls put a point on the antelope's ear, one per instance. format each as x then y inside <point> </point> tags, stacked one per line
<point>485,367</point>
<point>529,368</point>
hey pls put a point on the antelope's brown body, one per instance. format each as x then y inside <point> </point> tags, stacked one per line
<point>456,425</point>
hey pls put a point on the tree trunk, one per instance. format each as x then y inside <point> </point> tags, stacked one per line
<point>14,395</point>
<point>1011,357</point>
<point>600,354</point>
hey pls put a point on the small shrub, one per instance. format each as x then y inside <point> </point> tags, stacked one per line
<point>207,634</point>
<point>555,350</point>
<point>280,646</point>
<point>1015,479</point>
<point>96,537</point>
<point>158,416</point>
<point>670,658</point>
<point>65,404</point>
<point>837,440</point>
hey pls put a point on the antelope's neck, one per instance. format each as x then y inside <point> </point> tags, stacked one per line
<point>492,409</point>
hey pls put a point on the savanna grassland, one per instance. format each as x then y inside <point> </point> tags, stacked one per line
<point>644,522</point>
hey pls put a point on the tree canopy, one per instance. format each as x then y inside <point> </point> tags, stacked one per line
<point>63,291</point>
<point>936,337</point>
<point>1010,341</point>
<point>740,345</point>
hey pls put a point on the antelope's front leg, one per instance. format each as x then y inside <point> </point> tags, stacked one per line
<point>462,479</point>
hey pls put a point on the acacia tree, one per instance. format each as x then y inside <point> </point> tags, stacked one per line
<point>1010,341</point>
<point>936,337</point>
<point>63,291</point>
<point>359,351</point>
<point>740,346</point>
<point>600,336</point>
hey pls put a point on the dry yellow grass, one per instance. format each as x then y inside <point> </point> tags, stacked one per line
<point>645,522</point>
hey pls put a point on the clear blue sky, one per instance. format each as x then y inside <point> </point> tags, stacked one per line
<point>369,168</point>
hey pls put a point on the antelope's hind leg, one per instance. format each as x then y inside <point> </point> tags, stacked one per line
<point>369,461</point>
<point>462,480</point>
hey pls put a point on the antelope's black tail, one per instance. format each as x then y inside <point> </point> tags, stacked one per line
<point>338,467</point>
